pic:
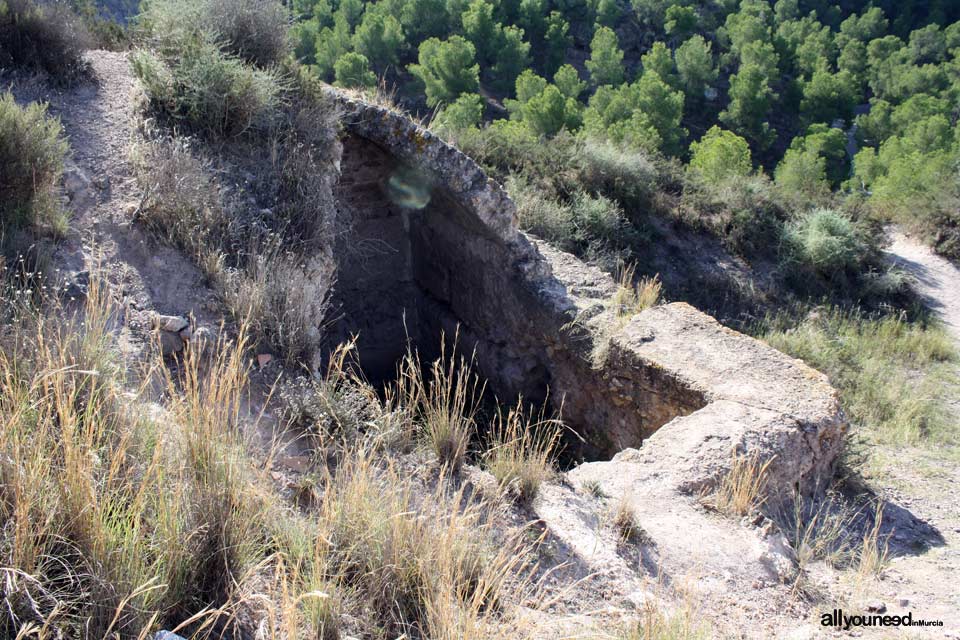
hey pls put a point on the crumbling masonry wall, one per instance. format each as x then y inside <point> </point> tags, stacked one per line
<point>539,321</point>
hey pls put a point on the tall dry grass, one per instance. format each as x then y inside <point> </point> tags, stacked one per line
<point>521,451</point>
<point>121,516</point>
<point>635,295</point>
<point>446,399</point>
<point>742,488</point>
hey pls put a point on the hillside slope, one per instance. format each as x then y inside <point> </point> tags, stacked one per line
<point>588,581</point>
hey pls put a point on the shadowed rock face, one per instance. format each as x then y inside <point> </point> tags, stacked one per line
<point>434,248</point>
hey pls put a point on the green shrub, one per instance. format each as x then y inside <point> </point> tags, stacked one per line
<point>463,113</point>
<point>207,62</point>
<point>104,29</point>
<point>545,217</point>
<point>606,58</point>
<point>32,148</point>
<point>720,154</point>
<point>598,223</point>
<point>625,175</point>
<point>43,37</point>
<point>446,68</point>
<point>829,242</point>
<point>212,91</point>
<point>508,146</point>
<point>916,189</point>
<point>256,31</point>
<point>744,212</point>
<point>591,226</point>
<point>353,70</point>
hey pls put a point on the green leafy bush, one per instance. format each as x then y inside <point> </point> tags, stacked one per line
<point>720,154</point>
<point>447,69</point>
<point>463,113</point>
<point>353,70</point>
<point>32,148</point>
<point>829,242</point>
<point>592,226</point>
<point>627,176</point>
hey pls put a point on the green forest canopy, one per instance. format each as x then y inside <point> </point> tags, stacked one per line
<point>788,78</point>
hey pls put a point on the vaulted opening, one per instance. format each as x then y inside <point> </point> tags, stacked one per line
<point>415,266</point>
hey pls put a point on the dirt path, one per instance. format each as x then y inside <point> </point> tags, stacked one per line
<point>98,117</point>
<point>937,279</point>
<point>923,483</point>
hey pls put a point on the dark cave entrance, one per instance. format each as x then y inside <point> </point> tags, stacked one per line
<point>413,267</point>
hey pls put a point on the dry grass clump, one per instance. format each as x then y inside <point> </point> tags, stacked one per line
<point>685,621</point>
<point>633,296</point>
<point>521,452</point>
<point>116,521</point>
<point>424,563</point>
<point>43,36</point>
<point>283,297</point>
<point>682,624</point>
<point>742,488</point>
<point>446,401</point>
<point>626,523</point>
<point>32,149</point>
<point>834,531</point>
<point>873,548</point>
<point>181,199</point>
<point>255,30</point>
<point>338,408</point>
<point>112,521</point>
<point>279,295</point>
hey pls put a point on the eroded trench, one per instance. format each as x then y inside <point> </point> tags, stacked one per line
<point>416,265</point>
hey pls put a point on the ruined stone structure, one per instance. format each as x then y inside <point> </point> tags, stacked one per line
<point>435,247</point>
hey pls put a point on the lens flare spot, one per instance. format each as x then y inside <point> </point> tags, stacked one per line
<point>409,189</point>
